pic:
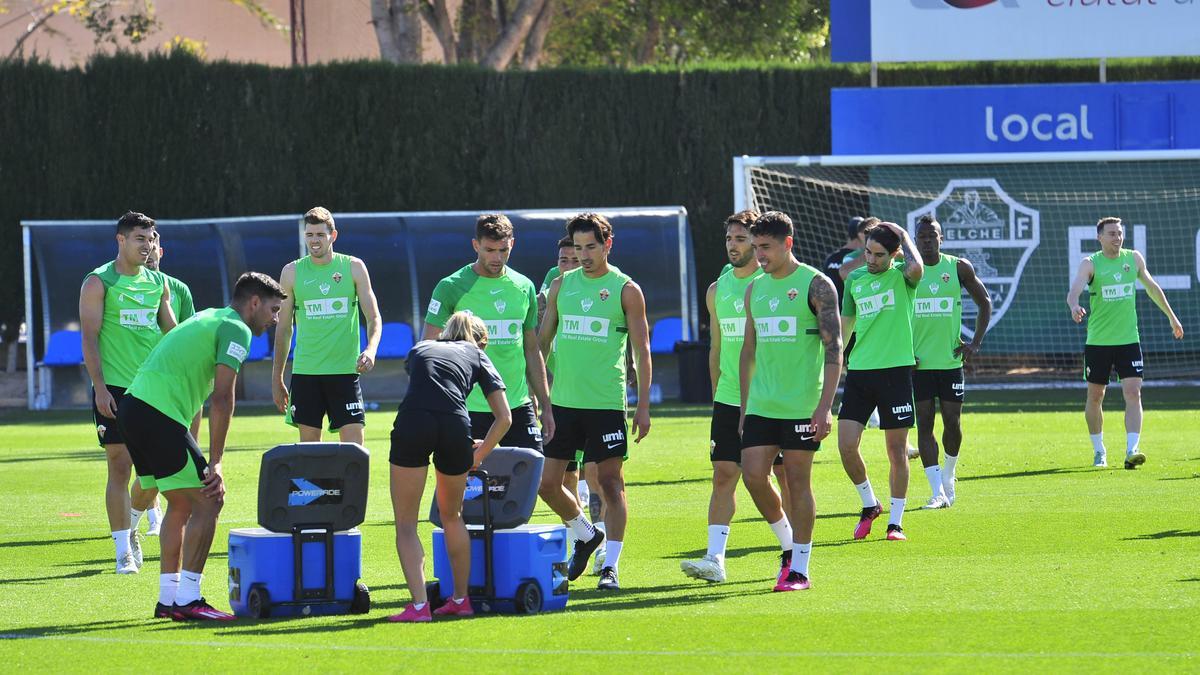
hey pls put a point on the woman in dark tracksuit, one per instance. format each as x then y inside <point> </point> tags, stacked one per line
<point>433,420</point>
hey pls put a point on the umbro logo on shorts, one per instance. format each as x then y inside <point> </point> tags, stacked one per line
<point>615,437</point>
<point>906,408</point>
<point>956,386</point>
<point>803,428</point>
<point>357,405</point>
<point>534,433</point>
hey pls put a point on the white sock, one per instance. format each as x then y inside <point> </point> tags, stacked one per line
<point>949,465</point>
<point>153,515</point>
<point>189,587</point>
<point>1098,442</point>
<point>418,606</point>
<point>934,475</point>
<point>718,537</point>
<point>581,528</point>
<point>584,494</point>
<point>896,512</point>
<point>121,537</point>
<point>135,517</point>
<point>168,584</point>
<point>800,554</point>
<point>1131,442</point>
<point>867,494</point>
<point>783,532</point>
<point>612,553</point>
<point>458,601</point>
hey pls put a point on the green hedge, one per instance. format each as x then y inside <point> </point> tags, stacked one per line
<point>177,138</point>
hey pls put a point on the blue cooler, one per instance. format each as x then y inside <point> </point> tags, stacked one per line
<point>529,568</point>
<point>264,581</point>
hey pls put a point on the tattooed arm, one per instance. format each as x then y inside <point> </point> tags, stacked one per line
<point>823,298</point>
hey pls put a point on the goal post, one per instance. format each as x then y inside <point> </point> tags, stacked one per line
<point>1025,221</point>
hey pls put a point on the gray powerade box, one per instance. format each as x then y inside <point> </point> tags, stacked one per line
<point>308,559</point>
<point>303,484</point>
<point>515,474</point>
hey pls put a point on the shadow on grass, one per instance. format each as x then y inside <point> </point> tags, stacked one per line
<point>69,629</point>
<point>149,558</point>
<point>1192,579</point>
<point>1166,534</point>
<point>49,542</point>
<point>658,483</point>
<point>1027,474</point>
<point>729,554</point>
<point>583,600</point>
<point>1191,477</point>
<point>96,455</point>
<point>79,574</point>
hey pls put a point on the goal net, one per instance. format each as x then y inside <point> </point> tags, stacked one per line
<point>1025,224</point>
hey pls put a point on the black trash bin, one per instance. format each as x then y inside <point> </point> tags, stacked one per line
<point>694,383</point>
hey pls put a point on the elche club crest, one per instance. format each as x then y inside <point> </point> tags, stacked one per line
<point>982,223</point>
<point>337,277</point>
<point>945,278</point>
<point>792,293</point>
<point>603,294</point>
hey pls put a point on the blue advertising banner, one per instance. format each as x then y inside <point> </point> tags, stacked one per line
<point>1016,118</point>
<point>982,30</point>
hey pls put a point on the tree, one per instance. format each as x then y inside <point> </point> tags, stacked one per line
<point>661,32</point>
<point>494,33</point>
<point>502,34</point>
<point>111,20</point>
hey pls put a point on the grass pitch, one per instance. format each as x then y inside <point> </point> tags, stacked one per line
<point>1043,564</point>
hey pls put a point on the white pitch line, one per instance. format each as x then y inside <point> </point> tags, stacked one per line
<point>600,652</point>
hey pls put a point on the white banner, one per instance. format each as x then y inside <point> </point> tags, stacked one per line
<point>974,30</point>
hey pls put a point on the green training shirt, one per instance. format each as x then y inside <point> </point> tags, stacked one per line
<point>551,275</point>
<point>937,316</point>
<point>882,305</point>
<point>326,301</point>
<point>589,370</point>
<point>129,328</point>
<point>1113,300</point>
<point>508,307</point>
<point>181,299</point>
<point>179,373</point>
<point>730,305</point>
<point>789,357</point>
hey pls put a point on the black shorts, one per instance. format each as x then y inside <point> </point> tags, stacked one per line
<point>603,434</point>
<point>338,396</point>
<point>888,389</point>
<point>724,443</point>
<point>417,434</point>
<point>1100,360</point>
<point>163,451</point>
<point>108,432</point>
<point>794,434</point>
<point>524,432</point>
<point>944,385</point>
